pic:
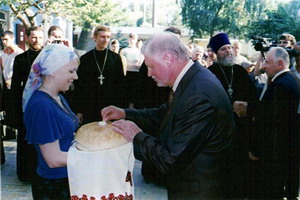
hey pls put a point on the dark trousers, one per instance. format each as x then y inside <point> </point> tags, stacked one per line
<point>46,189</point>
<point>2,147</point>
<point>26,157</point>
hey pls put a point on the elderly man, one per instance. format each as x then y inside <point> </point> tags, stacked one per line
<point>195,128</point>
<point>235,80</point>
<point>239,59</point>
<point>277,136</point>
<point>26,154</point>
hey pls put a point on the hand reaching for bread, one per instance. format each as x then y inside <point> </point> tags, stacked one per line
<point>112,113</point>
<point>127,129</point>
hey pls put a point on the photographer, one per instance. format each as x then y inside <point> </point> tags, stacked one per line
<point>56,36</point>
<point>296,68</point>
<point>287,41</point>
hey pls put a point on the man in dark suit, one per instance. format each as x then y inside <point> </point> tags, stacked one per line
<point>277,136</point>
<point>195,128</point>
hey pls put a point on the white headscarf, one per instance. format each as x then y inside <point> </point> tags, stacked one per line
<point>50,59</point>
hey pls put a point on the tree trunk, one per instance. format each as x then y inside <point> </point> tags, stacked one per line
<point>84,37</point>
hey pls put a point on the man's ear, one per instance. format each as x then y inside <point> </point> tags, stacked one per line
<point>281,64</point>
<point>168,58</point>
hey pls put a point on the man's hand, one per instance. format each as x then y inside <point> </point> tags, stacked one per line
<point>126,128</point>
<point>112,113</point>
<point>240,108</point>
<point>54,40</point>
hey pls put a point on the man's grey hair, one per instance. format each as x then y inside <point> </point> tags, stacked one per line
<point>281,54</point>
<point>163,42</point>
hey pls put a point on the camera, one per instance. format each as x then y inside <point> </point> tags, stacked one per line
<point>57,42</point>
<point>264,44</point>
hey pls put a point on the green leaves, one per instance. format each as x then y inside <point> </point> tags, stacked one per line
<point>241,18</point>
<point>83,13</point>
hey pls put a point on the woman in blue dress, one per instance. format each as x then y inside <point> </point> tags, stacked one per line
<point>50,123</point>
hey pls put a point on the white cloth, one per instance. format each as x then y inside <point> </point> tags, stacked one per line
<point>101,174</point>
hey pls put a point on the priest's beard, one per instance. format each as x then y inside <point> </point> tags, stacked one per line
<point>227,60</point>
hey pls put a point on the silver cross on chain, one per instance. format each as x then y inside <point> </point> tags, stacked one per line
<point>101,77</point>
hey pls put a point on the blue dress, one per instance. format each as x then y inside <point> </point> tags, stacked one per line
<point>46,121</point>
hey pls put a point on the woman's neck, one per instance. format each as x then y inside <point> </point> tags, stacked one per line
<point>53,93</point>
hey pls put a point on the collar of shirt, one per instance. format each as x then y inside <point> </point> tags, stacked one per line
<point>8,50</point>
<point>181,74</point>
<point>278,73</point>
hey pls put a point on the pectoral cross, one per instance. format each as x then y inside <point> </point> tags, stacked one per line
<point>101,77</point>
<point>230,90</point>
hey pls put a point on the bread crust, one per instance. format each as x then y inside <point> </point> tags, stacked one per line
<point>94,137</point>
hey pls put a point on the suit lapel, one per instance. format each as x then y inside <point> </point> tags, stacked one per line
<point>185,80</point>
<point>180,89</point>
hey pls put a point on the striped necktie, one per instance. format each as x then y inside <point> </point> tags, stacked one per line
<point>170,99</point>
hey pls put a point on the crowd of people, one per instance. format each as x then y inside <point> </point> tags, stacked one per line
<point>206,123</point>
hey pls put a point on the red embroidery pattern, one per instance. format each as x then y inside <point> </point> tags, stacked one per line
<point>129,178</point>
<point>111,196</point>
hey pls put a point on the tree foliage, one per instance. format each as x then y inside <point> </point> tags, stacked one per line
<point>283,20</point>
<point>83,13</point>
<point>207,17</point>
<point>241,18</point>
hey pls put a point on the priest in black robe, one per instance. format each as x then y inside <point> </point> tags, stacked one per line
<point>101,81</point>
<point>26,154</point>
<point>239,87</point>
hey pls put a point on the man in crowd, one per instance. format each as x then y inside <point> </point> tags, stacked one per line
<point>211,56</point>
<point>26,154</point>
<point>11,50</point>
<point>195,129</point>
<point>132,54</point>
<point>101,81</point>
<point>288,41</point>
<point>296,68</point>
<point>239,59</point>
<point>56,36</point>
<point>276,147</point>
<point>134,60</point>
<point>235,80</point>
<point>197,55</point>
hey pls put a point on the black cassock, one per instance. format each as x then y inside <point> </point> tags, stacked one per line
<point>242,90</point>
<point>89,96</point>
<point>26,153</point>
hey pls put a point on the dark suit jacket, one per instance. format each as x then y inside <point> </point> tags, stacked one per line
<point>194,144</point>
<point>277,136</point>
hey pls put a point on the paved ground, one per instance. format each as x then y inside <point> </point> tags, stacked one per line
<point>13,189</point>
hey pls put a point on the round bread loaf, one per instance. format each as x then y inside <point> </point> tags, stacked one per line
<point>95,137</point>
